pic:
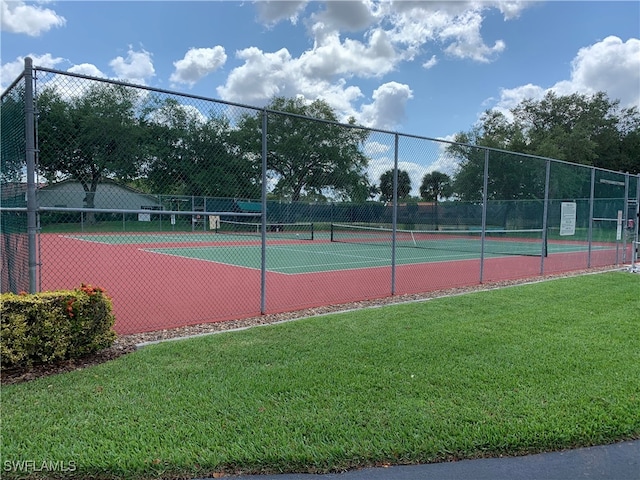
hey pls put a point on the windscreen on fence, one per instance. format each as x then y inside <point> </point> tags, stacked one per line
<point>13,218</point>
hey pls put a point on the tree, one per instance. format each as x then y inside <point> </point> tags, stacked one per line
<point>13,145</point>
<point>194,155</point>
<point>307,156</point>
<point>363,191</point>
<point>436,185</point>
<point>89,137</point>
<point>590,130</point>
<point>386,185</point>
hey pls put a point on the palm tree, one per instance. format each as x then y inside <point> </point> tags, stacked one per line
<point>386,185</point>
<point>435,185</point>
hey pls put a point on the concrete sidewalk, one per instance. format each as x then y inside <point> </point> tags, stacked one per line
<point>618,461</point>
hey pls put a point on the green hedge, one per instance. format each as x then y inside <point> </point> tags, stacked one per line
<point>52,326</point>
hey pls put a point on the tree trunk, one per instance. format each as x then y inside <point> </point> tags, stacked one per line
<point>89,201</point>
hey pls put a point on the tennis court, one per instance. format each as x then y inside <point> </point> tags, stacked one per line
<point>168,280</point>
<point>344,248</point>
<point>321,257</point>
<point>176,243</point>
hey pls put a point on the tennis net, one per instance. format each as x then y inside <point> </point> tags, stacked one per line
<point>530,242</point>
<point>298,231</point>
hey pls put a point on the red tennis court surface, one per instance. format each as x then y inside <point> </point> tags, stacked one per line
<point>155,292</point>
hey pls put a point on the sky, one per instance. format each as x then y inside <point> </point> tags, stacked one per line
<point>426,68</point>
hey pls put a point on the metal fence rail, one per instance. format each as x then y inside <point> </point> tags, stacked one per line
<point>190,210</point>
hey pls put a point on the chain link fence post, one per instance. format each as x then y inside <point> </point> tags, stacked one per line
<point>30,151</point>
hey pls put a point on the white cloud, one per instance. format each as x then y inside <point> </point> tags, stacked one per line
<point>262,76</point>
<point>374,148</point>
<point>265,75</point>
<point>74,89</point>
<point>432,62</point>
<point>346,15</point>
<point>271,12</point>
<point>466,40</point>
<point>611,66</point>
<point>340,96</point>
<point>334,57</point>
<point>87,69</point>
<point>456,25</point>
<point>511,97</point>
<point>388,107</point>
<point>29,19</point>
<point>381,36</point>
<point>511,9</point>
<point>198,63</point>
<point>12,70</point>
<point>136,68</point>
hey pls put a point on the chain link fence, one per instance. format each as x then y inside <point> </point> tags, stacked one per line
<point>13,219</point>
<point>189,210</point>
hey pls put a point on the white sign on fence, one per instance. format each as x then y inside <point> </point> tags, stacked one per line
<point>619,226</point>
<point>568,218</point>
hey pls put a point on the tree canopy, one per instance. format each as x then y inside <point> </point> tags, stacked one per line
<point>89,137</point>
<point>386,185</point>
<point>589,130</point>
<point>193,155</point>
<point>167,147</point>
<point>12,140</point>
<point>435,185</point>
<point>307,157</point>
<point>111,131</point>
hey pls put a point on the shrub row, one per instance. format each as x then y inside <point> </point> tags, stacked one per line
<point>52,326</point>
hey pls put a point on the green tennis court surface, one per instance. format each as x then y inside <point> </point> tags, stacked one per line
<point>295,258</point>
<point>290,254</point>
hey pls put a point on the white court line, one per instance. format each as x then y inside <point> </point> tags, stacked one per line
<point>151,250</point>
<point>362,262</point>
<point>367,259</point>
<point>71,237</point>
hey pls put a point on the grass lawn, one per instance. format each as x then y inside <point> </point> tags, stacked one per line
<point>518,370</point>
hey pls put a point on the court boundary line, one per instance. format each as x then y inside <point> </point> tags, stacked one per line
<point>72,237</point>
<point>449,259</point>
<point>148,250</point>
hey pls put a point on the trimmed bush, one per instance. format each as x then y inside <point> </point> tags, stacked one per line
<point>52,326</point>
